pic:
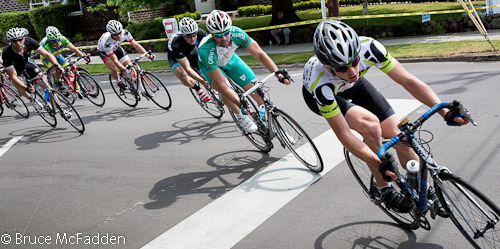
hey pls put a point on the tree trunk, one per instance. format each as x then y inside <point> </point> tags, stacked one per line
<point>287,7</point>
<point>333,8</point>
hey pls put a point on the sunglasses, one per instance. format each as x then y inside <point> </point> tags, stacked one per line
<point>220,35</point>
<point>344,69</point>
<point>17,40</point>
<point>55,41</point>
<point>190,35</point>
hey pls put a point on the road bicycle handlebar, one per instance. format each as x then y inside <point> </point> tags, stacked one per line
<point>77,60</point>
<point>454,106</point>
<point>134,61</point>
<point>263,81</point>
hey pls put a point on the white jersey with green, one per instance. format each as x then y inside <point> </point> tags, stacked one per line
<point>316,75</point>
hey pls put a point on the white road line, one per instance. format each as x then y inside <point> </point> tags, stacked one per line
<point>227,220</point>
<point>9,144</point>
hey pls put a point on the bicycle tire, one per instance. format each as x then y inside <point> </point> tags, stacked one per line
<point>1,109</point>
<point>297,140</point>
<point>68,92</point>
<point>44,109</point>
<point>214,106</point>
<point>451,189</point>
<point>65,107</point>
<point>364,177</point>
<point>13,101</point>
<point>126,96</point>
<point>90,89</point>
<point>260,138</point>
<point>156,91</point>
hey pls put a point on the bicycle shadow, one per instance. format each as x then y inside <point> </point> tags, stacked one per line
<point>112,114</point>
<point>188,130</point>
<point>230,171</point>
<point>371,234</point>
<point>462,82</point>
<point>46,134</point>
<point>11,117</point>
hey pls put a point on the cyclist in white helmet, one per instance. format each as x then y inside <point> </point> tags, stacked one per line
<point>112,54</point>
<point>55,42</point>
<point>183,55</point>
<point>335,88</point>
<point>15,59</point>
<point>217,58</point>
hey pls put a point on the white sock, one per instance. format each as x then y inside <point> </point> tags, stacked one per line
<point>389,184</point>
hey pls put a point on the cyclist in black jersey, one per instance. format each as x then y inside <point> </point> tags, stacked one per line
<point>183,55</point>
<point>334,86</point>
<point>15,59</point>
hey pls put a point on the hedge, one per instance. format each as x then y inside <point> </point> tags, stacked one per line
<point>13,19</point>
<point>53,16</point>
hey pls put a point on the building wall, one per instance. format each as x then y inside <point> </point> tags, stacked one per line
<point>94,23</point>
<point>12,5</point>
<point>147,14</point>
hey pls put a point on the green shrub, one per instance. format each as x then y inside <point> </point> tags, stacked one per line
<point>53,16</point>
<point>146,30</point>
<point>438,29</point>
<point>307,5</point>
<point>195,15</point>
<point>14,19</point>
<point>410,26</point>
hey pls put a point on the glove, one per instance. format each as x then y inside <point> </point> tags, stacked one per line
<point>450,116</point>
<point>386,165</point>
<point>284,75</point>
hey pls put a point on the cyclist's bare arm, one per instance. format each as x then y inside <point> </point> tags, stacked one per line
<point>187,67</point>
<point>43,52</point>
<point>256,51</point>
<point>75,50</point>
<point>141,49</point>
<point>357,147</point>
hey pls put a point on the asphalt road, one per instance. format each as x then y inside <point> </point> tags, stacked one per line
<point>138,172</point>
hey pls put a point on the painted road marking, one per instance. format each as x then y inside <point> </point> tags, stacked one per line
<point>227,220</point>
<point>9,144</point>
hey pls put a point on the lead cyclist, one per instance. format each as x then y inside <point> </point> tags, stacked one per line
<point>217,51</point>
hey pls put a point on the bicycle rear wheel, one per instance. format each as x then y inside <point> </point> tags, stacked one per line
<point>69,113</point>
<point>474,214</point>
<point>297,141</point>
<point>90,88</point>
<point>214,107</point>
<point>364,176</point>
<point>155,90</point>
<point>126,96</point>
<point>14,101</point>
<point>44,109</point>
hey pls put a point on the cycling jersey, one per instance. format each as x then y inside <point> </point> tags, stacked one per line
<point>324,85</point>
<point>108,45</point>
<point>212,56</point>
<point>12,59</point>
<point>178,48</point>
<point>56,51</point>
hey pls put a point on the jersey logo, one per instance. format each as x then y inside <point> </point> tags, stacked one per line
<point>243,77</point>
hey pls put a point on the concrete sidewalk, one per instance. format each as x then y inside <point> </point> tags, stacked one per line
<point>494,34</point>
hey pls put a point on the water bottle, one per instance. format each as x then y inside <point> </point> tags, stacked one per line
<point>412,170</point>
<point>47,95</point>
<point>262,113</point>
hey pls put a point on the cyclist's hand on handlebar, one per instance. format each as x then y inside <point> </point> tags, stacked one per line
<point>387,170</point>
<point>30,89</point>
<point>151,57</point>
<point>283,77</point>
<point>86,57</point>
<point>454,118</point>
<point>59,68</point>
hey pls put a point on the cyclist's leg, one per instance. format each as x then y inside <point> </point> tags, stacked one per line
<point>243,75</point>
<point>111,66</point>
<point>179,72</point>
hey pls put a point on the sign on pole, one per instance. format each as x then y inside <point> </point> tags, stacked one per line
<point>170,26</point>
<point>426,17</point>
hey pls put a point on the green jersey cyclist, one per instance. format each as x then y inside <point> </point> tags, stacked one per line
<point>335,88</point>
<point>55,42</point>
<point>217,57</point>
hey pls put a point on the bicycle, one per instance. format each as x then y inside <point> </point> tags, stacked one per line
<point>74,76</point>
<point>56,103</point>
<point>277,124</point>
<point>150,88</point>
<point>11,98</point>
<point>474,214</point>
<point>214,106</point>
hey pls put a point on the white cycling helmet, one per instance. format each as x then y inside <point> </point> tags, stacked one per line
<point>188,26</point>
<point>52,33</point>
<point>335,43</point>
<point>114,27</point>
<point>218,21</point>
<point>14,33</point>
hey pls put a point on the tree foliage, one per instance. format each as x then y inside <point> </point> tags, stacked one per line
<point>125,6</point>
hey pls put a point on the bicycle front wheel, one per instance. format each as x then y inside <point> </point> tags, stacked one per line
<point>297,141</point>
<point>474,214</point>
<point>364,176</point>
<point>44,109</point>
<point>14,101</point>
<point>69,113</point>
<point>125,95</point>
<point>156,90</point>
<point>90,88</point>
<point>214,106</point>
